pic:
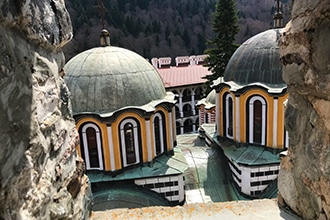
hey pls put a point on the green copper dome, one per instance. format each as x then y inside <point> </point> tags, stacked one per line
<point>105,79</point>
<point>257,60</point>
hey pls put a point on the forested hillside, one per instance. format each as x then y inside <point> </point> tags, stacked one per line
<point>158,28</point>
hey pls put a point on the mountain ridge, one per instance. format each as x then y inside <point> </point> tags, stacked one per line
<point>160,28</point>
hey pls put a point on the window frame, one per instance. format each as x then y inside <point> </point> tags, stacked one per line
<point>98,145</point>
<point>135,141</point>
<point>162,134</point>
<point>227,119</point>
<point>252,100</point>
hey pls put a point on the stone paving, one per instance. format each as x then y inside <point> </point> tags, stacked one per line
<point>207,178</point>
<point>207,190</point>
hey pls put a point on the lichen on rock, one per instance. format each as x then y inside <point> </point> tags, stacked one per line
<point>39,175</point>
<point>305,50</point>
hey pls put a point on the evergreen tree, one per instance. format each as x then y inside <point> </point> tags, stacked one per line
<point>224,24</point>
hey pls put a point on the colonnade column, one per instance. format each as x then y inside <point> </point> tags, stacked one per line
<point>180,104</point>
<point>193,102</point>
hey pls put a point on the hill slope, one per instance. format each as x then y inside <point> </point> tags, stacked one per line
<point>158,28</point>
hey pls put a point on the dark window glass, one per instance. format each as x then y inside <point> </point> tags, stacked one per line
<point>157,135</point>
<point>230,116</point>
<point>129,143</point>
<point>92,147</point>
<point>257,121</point>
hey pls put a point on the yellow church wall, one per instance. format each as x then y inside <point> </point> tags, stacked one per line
<point>281,130</point>
<point>115,135</point>
<point>167,124</point>
<point>221,94</point>
<point>243,98</point>
<point>104,137</point>
<point>270,112</point>
<point>173,124</point>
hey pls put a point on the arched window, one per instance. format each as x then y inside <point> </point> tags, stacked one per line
<point>129,141</point>
<point>92,146</point>
<point>178,128</point>
<point>229,118</point>
<point>177,112</point>
<point>207,118</point>
<point>197,122</point>
<point>186,95</point>
<point>187,111</point>
<point>198,93</point>
<point>257,120</point>
<point>159,133</point>
<point>188,126</point>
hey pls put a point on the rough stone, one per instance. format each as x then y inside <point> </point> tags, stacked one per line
<point>37,132</point>
<point>305,50</point>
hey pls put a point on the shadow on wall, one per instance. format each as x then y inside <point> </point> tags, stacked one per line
<point>15,116</point>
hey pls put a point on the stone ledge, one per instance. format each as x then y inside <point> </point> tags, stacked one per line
<point>255,209</point>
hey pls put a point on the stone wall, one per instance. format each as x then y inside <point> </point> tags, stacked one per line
<point>41,176</point>
<point>304,179</point>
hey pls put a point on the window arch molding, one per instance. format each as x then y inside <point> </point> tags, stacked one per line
<point>92,146</point>
<point>229,116</point>
<point>257,120</point>
<point>159,131</point>
<point>129,142</point>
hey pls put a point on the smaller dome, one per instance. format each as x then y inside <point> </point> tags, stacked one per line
<point>257,60</point>
<point>209,101</point>
<point>210,98</point>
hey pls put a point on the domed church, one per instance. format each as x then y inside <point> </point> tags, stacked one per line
<point>250,102</point>
<point>125,120</point>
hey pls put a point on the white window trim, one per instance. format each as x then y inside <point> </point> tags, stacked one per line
<point>238,119</point>
<point>229,96</point>
<point>263,122</point>
<point>286,139</point>
<point>99,146</point>
<point>136,141</point>
<point>158,115</point>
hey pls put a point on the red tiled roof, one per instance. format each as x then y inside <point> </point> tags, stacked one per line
<point>180,76</point>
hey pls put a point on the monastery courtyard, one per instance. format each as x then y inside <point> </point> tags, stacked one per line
<point>208,191</point>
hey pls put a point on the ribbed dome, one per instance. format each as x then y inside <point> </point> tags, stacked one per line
<point>105,79</point>
<point>257,60</point>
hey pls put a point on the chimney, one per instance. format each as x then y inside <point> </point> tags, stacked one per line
<point>200,59</point>
<point>154,62</point>
<point>182,61</point>
<point>164,62</point>
<point>192,60</point>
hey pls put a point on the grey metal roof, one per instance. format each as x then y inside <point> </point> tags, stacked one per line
<point>105,79</point>
<point>257,60</point>
<point>164,165</point>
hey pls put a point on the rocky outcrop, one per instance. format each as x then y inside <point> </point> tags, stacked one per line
<point>304,179</point>
<point>41,176</point>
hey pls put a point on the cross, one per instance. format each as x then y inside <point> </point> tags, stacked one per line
<point>279,6</point>
<point>102,10</point>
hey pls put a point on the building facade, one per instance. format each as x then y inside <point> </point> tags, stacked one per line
<point>185,80</point>
<point>250,102</point>
<point>125,120</point>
